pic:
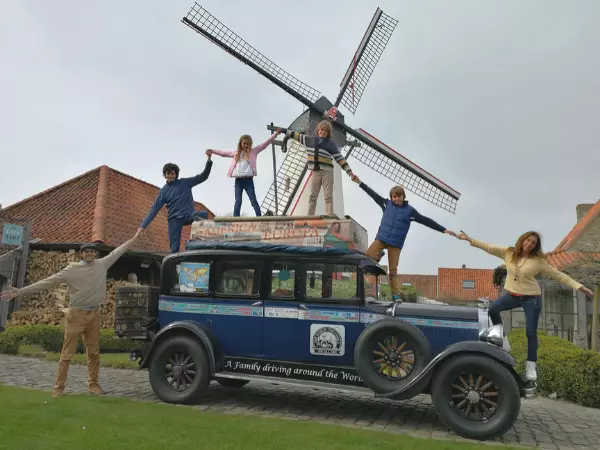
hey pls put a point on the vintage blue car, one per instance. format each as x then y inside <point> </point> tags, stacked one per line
<point>237,312</point>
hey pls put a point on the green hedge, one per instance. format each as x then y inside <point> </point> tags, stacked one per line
<point>563,368</point>
<point>50,338</point>
<point>9,343</point>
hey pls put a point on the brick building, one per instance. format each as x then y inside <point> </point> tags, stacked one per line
<point>101,205</point>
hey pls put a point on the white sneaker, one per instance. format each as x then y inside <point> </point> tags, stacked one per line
<point>506,344</point>
<point>530,371</point>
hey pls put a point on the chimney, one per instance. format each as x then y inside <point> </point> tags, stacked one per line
<point>583,209</point>
<point>464,266</point>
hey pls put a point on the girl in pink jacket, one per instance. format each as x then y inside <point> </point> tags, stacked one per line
<point>243,169</point>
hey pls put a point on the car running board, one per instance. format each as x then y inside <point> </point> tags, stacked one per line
<point>293,382</point>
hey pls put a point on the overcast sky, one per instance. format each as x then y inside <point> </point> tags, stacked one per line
<point>496,98</point>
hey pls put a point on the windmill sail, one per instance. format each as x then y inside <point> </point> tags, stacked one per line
<point>291,178</point>
<point>365,59</point>
<point>204,23</point>
<point>388,162</point>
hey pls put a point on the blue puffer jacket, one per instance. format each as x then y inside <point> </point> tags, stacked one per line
<point>397,219</point>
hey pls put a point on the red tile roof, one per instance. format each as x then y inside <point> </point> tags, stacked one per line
<point>450,284</point>
<point>563,259</point>
<point>100,205</point>
<point>580,228</point>
<point>425,284</point>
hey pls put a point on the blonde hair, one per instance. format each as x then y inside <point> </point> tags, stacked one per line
<point>325,125</point>
<point>243,137</point>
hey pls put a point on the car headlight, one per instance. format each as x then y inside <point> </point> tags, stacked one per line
<point>493,335</point>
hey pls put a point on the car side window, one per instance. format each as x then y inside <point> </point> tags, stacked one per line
<point>331,282</point>
<point>189,277</point>
<point>237,279</point>
<point>283,280</point>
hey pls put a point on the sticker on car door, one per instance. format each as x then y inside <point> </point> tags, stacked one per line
<point>327,340</point>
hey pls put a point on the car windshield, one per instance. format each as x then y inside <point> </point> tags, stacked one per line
<point>377,287</point>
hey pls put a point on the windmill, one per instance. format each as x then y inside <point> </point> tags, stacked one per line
<point>288,194</point>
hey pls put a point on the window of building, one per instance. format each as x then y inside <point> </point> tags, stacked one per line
<point>468,284</point>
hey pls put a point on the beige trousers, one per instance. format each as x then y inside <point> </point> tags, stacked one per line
<point>87,324</point>
<point>318,178</point>
<point>374,251</point>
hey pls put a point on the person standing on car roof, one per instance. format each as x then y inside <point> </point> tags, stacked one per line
<point>86,281</point>
<point>177,195</point>
<point>392,232</point>
<point>523,262</point>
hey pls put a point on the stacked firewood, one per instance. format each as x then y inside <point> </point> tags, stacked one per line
<point>49,307</point>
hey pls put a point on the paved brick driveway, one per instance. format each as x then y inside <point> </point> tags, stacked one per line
<point>543,423</point>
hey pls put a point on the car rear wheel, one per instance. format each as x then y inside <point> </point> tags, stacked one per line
<point>476,396</point>
<point>179,371</point>
<point>391,353</point>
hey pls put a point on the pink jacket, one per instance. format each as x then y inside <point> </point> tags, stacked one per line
<point>253,154</point>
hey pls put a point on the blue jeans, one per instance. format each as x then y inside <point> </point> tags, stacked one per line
<point>241,185</point>
<point>532,307</point>
<point>176,225</point>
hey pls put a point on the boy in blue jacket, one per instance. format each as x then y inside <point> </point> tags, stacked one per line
<point>177,195</point>
<point>395,223</point>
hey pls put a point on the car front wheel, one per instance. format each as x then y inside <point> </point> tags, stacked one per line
<point>476,396</point>
<point>179,371</point>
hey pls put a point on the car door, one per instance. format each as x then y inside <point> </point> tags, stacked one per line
<point>235,315</point>
<point>328,313</point>
<point>280,323</point>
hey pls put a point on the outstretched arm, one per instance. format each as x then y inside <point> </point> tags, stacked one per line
<point>158,203</point>
<point>430,223</point>
<point>562,278</point>
<point>494,250</point>
<point>259,148</point>
<point>339,158</point>
<point>223,153</point>
<point>300,137</point>
<point>113,256</point>
<point>374,195</point>
<point>41,285</point>
<point>201,177</point>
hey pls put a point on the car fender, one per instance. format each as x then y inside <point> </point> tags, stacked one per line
<point>186,327</point>
<point>480,347</point>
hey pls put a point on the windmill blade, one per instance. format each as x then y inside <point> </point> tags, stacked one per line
<point>385,160</point>
<point>287,180</point>
<point>204,23</point>
<point>365,59</point>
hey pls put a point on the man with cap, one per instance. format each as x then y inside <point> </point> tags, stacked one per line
<point>86,281</point>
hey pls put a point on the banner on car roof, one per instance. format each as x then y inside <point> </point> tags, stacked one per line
<point>343,233</point>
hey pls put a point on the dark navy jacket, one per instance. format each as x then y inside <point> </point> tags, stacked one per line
<point>178,197</point>
<point>396,220</point>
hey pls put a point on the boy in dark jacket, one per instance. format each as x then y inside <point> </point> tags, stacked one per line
<point>320,152</point>
<point>177,195</point>
<point>395,223</point>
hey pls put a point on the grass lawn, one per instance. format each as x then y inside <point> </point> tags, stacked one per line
<point>32,419</point>
<point>118,360</point>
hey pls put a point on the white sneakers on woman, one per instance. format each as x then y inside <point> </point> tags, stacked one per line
<point>530,371</point>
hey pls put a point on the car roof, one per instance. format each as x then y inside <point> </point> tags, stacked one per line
<point>262,248</point>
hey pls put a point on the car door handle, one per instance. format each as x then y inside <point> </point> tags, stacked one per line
<point>303,306</point>
<point>257,304</point>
